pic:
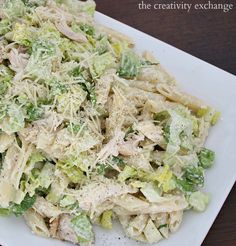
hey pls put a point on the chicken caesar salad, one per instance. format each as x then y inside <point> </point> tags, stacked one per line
<point>91,131</point>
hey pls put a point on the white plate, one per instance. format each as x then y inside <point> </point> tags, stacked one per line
<point>216,87</point>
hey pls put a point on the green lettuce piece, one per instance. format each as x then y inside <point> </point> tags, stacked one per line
<point>5,26</point>
<point>193,177</point>
<point>40,62</point>
<point>83,228</point>
<point>73,128</point>
<point>56,87</point>
<point>151,192</point>
<point>49,32</point>
<point>209,114</point>
<point>89,7</point>
<point>102,45</point>
<point>73,172</point>
<point>35,157</point>
<point>34,3</point>
<point>14,9</point>
<point>6,76</point>
<point>127,173</point>
<point>101,63</point>
<point>130,65</point>
<point>215,118</point>
<point>161,116</point>
<point>5,212</point>
<point>202,112</point>
<point>27,203</point>
<point>46,175</point>
<point>199,201</point>
<point>185,186</point>
<point>87,29</point>
<point>178,126</point>
<point>67,201</point>
<point>33,112</point>
<point>76,6</point>
<point>15,120</point>
<point>22,34</point>
<point>186,113</point>
<point>106,219</point>
<point>206,158</point>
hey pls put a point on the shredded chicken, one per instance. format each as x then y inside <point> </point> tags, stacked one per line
<point>150,131</point>
<point>130,147</point>
<point>67,31</point>
<point>18,62</point>
<point>46,209</point>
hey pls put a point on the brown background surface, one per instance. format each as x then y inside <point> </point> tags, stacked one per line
<point>209,35</point>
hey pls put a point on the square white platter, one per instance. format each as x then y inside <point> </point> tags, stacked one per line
<point>217,88</point>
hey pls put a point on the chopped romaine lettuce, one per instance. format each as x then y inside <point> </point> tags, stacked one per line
<point>199,201</point>
<point>22,34</point>
<point>179,125</point>
<point>5,212</point>
<point>88,29</point>
<point>101,63</point>
<point>67,201</point>
<point>192,178</point>
<point>33,113</point>
<point>83,228</point>
<point>194,175</point>
<point>46,175</point>
<point>206,158</point>
<point>130,65</point>
<point>161,116</point>
<point>73,172</point>
<point>27,203</point>
<point>35,157</point>
<point>102,45</point>
<point>6,76</point>
<point>209,114</point>
<point>15,119</point>
<point>75,6</point>
<point>106,219</point>
<point>127,173</point>
<point>40,62</point>
<point>73,128</point>
<point>215,118</point>
<point>151,192</point>
<point>165,179</point>
<point>5,26</point>
<point>13,9</point>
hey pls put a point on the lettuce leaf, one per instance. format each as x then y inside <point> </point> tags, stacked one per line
<point>106,219</point>
<point>130,65</point>
<point>22,34</point>
<point>193,177</point>
<point>5,26</point>
<point>19,209</point>
<point>206,158</point>
<point>100,63</point>
<point>199,201</point>
<point>83,228</point>
<point>14,9</point>
<point>6,76</point>
<point>15,120</point>
<point>73,172</point>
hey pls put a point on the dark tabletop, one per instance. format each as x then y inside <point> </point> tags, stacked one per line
<point>209,35</point>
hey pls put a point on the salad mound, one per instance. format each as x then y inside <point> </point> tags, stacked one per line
<point>91,131</point>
